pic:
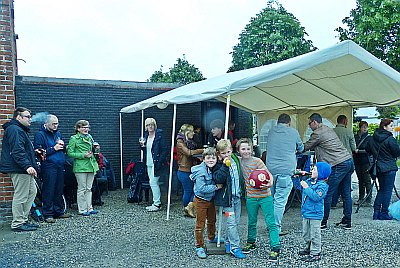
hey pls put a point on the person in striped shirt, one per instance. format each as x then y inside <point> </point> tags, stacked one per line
<point>257,198</point>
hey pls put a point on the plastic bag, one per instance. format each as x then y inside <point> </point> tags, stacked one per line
<point>394,210</point>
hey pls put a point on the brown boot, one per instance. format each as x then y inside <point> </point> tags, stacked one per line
<point>185,212</point>
<point>191,210</point>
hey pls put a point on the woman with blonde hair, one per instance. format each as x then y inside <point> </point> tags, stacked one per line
<point>186,148</point>
<point>80,148</point>
<point>154,152</point>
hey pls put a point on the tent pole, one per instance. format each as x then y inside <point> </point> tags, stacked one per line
<point>171,161</point>
<point>141,135</point>
<point>120,146</point>
<point>228,104</point>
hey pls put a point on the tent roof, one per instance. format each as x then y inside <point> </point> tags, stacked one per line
<point>342,75</point>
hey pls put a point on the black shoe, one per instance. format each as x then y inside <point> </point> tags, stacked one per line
<point>312,258</point>
<point>304,252</point>
<point>249,247</point>
<point>324,226</point>
<point>346,226</point>
<point>34,225</point>
<point>273,256</point>
<point>24,228</point>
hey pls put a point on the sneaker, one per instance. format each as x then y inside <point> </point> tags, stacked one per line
<point>64,216</point>
<point>34,225</point>
<point>346,226</point>
<point>324,226</point>
<point>227,248</point>
<point>215,240</point>
<point>50,220</point>
<point>283,233</point>
<point>24,228</point>
<point>312,258</point>
<point>357,202</point>
<point>304,252</point>
<point>201,253</point>
<point>249,247</point>
<point>153,208</point>
<point>273,256</point>
<point>85,214</point>
<point>93,211</point>
<point>237,253</point>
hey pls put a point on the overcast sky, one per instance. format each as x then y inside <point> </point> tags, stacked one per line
<point>130,39</point>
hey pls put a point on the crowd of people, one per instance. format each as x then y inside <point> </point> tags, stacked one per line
<point>213,175</point>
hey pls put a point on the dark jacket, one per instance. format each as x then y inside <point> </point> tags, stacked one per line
<point>388,152</point>
<point>17,152</point>
<point>212,141</point>
<point>158,151</point>
<point>221,175</point>
<point>361,158</point>
<point>46,139</point>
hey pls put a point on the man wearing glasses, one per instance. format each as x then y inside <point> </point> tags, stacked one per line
<point>49,141</point>
<point>328,148</point>
<point>18,160</point>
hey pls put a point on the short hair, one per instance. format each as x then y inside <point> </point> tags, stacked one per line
<point>49,118</point>
<point>217,123</point>
<point>341,119</point>
<point>244,140</point>
<point>316,117</point>
<point>362,123</point>
<point>209,151</point>
<point>80,123</point>
<point>149,121</point>
<point>284,119</point>
<point>385,122</point>
<point>223,145</point>
<point>231,123</point>
<point>20,110</point>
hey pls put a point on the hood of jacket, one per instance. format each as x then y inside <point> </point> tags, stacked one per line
<point>381,134</point>
<point>199,170</point>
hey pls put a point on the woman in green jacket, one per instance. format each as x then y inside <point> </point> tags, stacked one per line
<point>80,148</point>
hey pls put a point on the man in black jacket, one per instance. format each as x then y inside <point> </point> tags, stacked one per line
<point>18,160</point>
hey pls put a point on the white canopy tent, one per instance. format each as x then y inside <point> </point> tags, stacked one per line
<point>332,81</point>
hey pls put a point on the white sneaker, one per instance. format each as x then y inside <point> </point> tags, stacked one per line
<point>153,208</point>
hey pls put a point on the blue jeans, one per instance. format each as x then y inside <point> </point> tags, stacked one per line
<point>384,195</point>
<point>187,185</point>
<point>340,177</point>
<point>232,215</point>
<point>281,190</point>
<point>52,191</point>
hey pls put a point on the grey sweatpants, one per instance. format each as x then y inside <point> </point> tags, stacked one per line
<point>312,235</point>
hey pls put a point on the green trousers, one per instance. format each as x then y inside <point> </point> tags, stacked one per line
<point>267,207</point>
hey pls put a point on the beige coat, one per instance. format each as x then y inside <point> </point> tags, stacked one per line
<point>185,159</point>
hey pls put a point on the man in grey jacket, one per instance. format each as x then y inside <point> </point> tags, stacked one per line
<point>328,148</point>
<point>282,144</point>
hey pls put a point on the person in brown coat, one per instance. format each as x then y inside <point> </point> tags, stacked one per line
<point>186,148</point>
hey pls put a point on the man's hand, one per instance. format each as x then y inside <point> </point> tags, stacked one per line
<point>31,171</point>
<point>304,184</point>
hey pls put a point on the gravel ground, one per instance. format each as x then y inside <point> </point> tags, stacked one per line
<point>125,235</point>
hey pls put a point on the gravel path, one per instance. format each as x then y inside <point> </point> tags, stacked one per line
<point>125,235</point>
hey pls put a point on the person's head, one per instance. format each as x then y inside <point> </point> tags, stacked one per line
<point>342,119</point>
<point>96,147</point>
<point>196,129</point>
<point>224,149</point>
<point>150,124</point>
<point>321,171</point>
<point>23,115</point>
<point>386,124</point>
<point>363,126</point>
<point>210,157</point>
<point>245,147</point>
<point>51,123</point>
<point>188,132</point>
<point>315,120</point>
<point>82,126</point>
<point>216,127</point>
<point>231,125</point>
<point>284,119</point>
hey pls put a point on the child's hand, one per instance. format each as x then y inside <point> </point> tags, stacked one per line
<point>219,186</point>
<point>304,184</point>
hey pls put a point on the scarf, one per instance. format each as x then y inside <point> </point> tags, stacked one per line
<point>189,142</point>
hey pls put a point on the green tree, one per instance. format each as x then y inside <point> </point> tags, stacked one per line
<point>375,26</point>
<point>182,73</point>
<point>273,35</point>
<point>388,111</point>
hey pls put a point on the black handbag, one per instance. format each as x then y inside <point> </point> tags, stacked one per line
<point>373,169</point>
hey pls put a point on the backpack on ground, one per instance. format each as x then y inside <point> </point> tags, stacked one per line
<point>138,181</point>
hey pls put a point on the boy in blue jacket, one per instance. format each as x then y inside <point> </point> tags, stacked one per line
<point>204,191</point>
<point>314,191</point>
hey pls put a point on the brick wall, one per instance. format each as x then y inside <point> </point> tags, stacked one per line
<point>7,100</point>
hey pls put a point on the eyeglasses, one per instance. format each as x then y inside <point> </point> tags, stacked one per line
<point>27,116</point>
